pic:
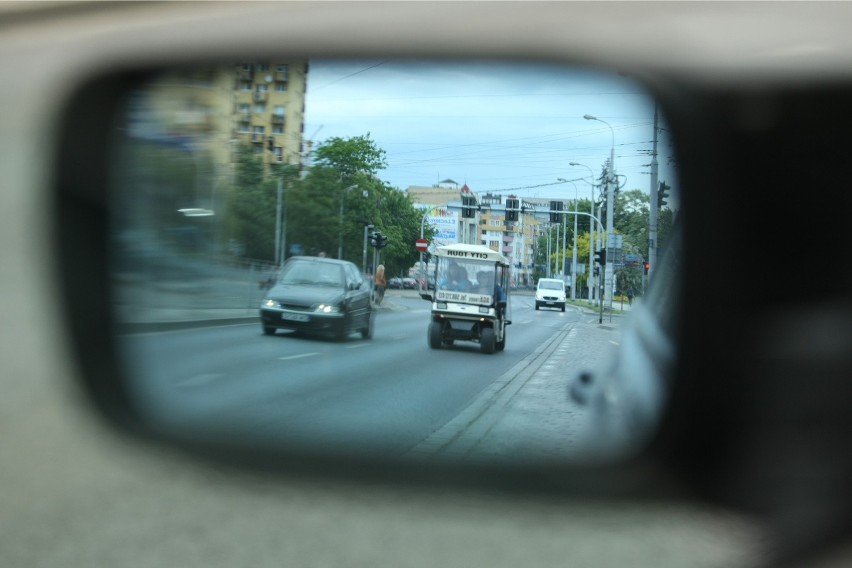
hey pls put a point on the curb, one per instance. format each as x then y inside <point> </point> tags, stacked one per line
<point>149,327</point>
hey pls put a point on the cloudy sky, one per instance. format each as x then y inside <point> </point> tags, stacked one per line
<point>497,127</point>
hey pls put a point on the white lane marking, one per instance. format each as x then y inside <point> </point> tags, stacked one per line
<point>299,356</point>
<point>199,380</point>
<point>614,342</point>
<point>356,346</point>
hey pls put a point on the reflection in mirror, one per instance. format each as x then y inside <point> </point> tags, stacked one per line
<point>277,225</point>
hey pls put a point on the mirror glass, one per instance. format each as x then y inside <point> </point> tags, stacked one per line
<point>410,259</point>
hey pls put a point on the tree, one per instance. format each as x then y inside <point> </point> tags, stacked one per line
<point>351,156</point>
<point>252,206</point>
<point>344,179</point>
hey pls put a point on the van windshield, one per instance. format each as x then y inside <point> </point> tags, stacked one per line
<point>465,275</point>
<point>550,284</point>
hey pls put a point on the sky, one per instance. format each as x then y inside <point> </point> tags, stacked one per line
<point>497,127</point>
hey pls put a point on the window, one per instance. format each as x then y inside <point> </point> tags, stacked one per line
<point>259,108</point>
<point>277,129</point>
<point>280,87</point>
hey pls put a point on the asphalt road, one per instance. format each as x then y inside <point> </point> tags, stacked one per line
<point>391,394</point>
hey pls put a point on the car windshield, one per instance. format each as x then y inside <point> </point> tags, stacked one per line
<point>551,285</point>
<point>312,274</point>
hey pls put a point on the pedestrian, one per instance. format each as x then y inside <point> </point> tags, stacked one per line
<point>630,296</point>
<point>379,284</point>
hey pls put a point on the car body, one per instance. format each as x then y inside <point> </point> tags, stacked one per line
<point>318,295</point>
<point>550,293</point>
<point>395,283</point>
<point>409,283</point>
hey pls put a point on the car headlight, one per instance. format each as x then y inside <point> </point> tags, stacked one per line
<point>327,308</point>
<point>270,303</point>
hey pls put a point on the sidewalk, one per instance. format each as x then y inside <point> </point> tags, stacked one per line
<point>526,414</point>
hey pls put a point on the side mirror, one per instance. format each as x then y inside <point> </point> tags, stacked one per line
<point>426,296</point>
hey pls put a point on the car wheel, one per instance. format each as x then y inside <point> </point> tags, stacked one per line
<point>435,335</point>
<point>563,307</point>
<point>487,341</point>
<point>367,332</point>
<point>536,305</point>
<point>501,345</point>
<point>269,330</point>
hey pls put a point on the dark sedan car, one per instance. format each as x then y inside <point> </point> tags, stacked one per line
<point>319,295</point>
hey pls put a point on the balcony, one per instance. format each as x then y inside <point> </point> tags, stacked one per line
<point>260,97</point>
<point>277,119</point>
<point>281,76</point>
<point>508,238</point>
<point>257,138</point>
<point>507,250</point>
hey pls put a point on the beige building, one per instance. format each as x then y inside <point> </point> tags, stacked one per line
<point>514,239</point>
<point>268,108</point>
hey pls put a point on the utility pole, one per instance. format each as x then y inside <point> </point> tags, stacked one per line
<point>278,205</point>
<point>653,220</point>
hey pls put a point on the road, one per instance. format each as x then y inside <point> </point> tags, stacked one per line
<point>392,394</point>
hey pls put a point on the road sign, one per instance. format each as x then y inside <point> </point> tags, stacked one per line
<point>421,244</point>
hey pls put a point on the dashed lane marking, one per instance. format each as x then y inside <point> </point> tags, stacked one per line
<point>199,380</point>
<point>299,356</point>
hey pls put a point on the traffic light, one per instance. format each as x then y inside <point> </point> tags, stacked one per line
<point>378,240</point>
<point>554,207</point>
<point>600,257</point>
<point>512,207</point>
<point>662,194</point>
<point>647,267</point>
<point>468,206</point>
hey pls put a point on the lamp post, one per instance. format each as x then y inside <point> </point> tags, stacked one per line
<point>591,227</point>
<point>574,251</point>
<point>610,198</point>
<point>367,228</point>
<point>340,242</point>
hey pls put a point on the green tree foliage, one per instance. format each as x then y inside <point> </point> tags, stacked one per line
<point>345,174</point>
<point>252,205</point>
<point>353,156</point>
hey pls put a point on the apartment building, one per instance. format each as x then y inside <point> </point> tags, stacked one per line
<point>268,108</point>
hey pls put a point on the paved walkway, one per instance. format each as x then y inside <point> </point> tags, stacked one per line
<point>526,413</point>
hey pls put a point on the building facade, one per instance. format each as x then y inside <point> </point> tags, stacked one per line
<point>268,109</point>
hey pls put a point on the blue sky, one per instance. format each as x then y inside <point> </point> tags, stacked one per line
<point>507,128</point>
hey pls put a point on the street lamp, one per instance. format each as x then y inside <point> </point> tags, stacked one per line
<point>610,182</point>
<point>574,252</point>
<point>591,226</point>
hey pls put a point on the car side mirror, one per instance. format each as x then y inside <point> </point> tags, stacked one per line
<point>426,296</point>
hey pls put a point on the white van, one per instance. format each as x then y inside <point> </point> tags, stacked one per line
<point>550,292</point>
